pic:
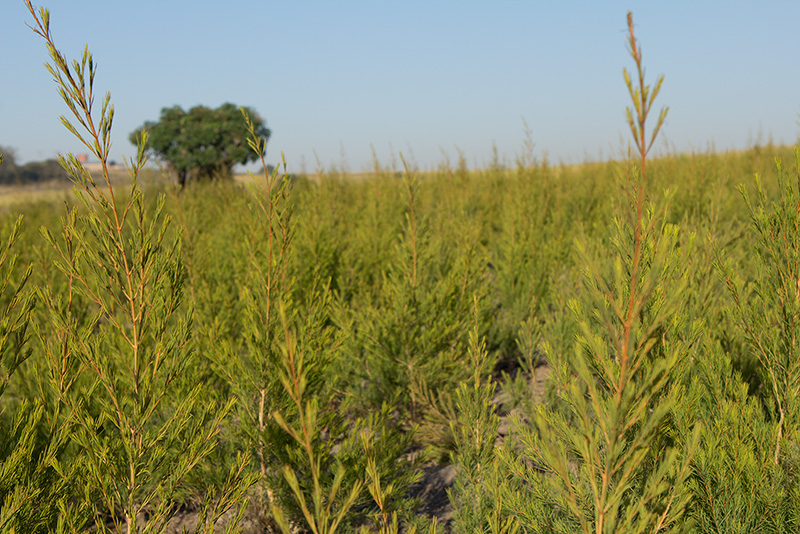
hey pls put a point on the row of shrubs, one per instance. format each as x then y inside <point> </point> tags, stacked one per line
<point>295,352</point>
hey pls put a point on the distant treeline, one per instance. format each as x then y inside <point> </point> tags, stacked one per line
<point>33,172</point>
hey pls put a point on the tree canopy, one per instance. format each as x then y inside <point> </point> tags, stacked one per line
<point>202,143</point>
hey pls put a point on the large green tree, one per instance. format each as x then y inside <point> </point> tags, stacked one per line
<point>202,143</point>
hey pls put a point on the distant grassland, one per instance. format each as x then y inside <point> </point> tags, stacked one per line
<point>61,191</point>
<point>760,157</point>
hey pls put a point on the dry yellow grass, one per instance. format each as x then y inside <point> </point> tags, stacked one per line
<point>11,195</point>
<point>60,191</point>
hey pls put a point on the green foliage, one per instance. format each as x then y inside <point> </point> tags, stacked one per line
<point>768,310</point>
<point>330,329</point>
<point>323,511</point>
<point>287,326</point>
<point>139,427</point>
<point>30,492</point>
<point>202,143</point>
<point>248,365</point>
<point>736,484</point>
<point>16,313</point>
<point>608,460</point>
<point>410,339</point>
<point>386,479</point>
<point>529,252</point>
<point>746,472</point>
<point>477,495</point>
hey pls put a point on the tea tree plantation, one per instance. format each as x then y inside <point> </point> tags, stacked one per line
<point>607,347</point>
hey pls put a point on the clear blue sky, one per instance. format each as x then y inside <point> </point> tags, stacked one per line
<point>417,77</point>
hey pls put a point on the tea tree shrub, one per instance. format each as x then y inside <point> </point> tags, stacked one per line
<point>140,428</point>
<point>324,503</point>
<point>408,344</point>
<point>30,489</point>
<point>290,414</point>
<point>369,227</point>
<point>736,486</point>
<point>215,265</point>
<point>207,217</point>
<point>526,255</point>
<point>327,211</point>
<point>477,495</point>
<point>248,365</point>
<point>746,473</point>
<point>606,462</point>
<point>768,311</point>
